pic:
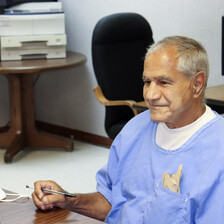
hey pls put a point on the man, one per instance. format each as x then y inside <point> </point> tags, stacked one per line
<point>167,164</point>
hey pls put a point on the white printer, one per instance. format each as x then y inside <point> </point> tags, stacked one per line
<point>33,30</point>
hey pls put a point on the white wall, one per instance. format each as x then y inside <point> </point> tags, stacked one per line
<point>66,97</point>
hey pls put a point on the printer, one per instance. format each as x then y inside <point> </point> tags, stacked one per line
<point>33,30</point>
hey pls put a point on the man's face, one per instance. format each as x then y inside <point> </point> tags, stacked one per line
<point>167,92</point>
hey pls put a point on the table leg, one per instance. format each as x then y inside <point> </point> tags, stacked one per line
<point>22,132</point>
<point>8,136</point>
<point>33,137</point>
<point>16,146</point>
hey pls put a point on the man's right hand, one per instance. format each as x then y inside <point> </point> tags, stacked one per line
<point>93,205</point>
<point>45,201</point>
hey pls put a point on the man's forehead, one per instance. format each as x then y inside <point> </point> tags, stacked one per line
<point>161,59</point>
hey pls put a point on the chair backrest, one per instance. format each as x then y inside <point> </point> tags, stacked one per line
<point>119,44</point>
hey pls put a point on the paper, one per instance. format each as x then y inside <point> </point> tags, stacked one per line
<point>172,181</point>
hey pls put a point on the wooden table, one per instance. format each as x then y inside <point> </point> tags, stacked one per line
<point>24,212</point>
<point>22,131</point>
<point>214,96</point>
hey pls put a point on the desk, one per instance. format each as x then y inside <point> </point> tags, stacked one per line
<point>26,213</point>
<point>213,96</point>
<point>22,131</point>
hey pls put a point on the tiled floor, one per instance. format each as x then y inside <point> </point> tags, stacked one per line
<point>74,171</point>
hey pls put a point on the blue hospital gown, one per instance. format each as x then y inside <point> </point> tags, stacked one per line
<point>131,181</point>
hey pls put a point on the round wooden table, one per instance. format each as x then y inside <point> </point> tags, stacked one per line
<point>22,131</point>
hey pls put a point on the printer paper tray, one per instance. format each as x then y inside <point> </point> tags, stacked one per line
<point>33,41</point>
<point>21,54</point>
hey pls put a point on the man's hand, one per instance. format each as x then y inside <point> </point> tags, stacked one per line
<point>45,201</point>
<point>94,205</point>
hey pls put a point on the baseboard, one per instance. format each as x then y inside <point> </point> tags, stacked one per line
<point>74,134</point>
<point>4,129</point>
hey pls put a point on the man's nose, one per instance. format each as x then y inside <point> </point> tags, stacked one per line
<point>152,92</point>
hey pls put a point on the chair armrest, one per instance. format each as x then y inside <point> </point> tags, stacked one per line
<point>141,106</point>
<point>102,99</point>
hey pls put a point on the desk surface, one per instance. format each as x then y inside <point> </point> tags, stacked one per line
<point>26,213</point>
<point>215,95</point>
<point>40,65</point>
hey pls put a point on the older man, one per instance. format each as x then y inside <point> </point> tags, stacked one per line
<point>166,165</point>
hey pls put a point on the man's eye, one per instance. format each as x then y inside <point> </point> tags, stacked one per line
<point>163,82</point>
<point>147,82</point>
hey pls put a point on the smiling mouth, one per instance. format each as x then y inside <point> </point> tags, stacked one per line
<point>150,105</point>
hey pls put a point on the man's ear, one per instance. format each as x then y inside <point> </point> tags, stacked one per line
<point>199,84</point>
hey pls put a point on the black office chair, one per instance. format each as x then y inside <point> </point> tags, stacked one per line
<point>119,44</point>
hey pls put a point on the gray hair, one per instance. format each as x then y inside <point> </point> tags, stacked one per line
<point>192,56</point>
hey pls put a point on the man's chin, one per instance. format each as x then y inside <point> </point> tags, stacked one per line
<point>157,119</point>
<point>159,116</point>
